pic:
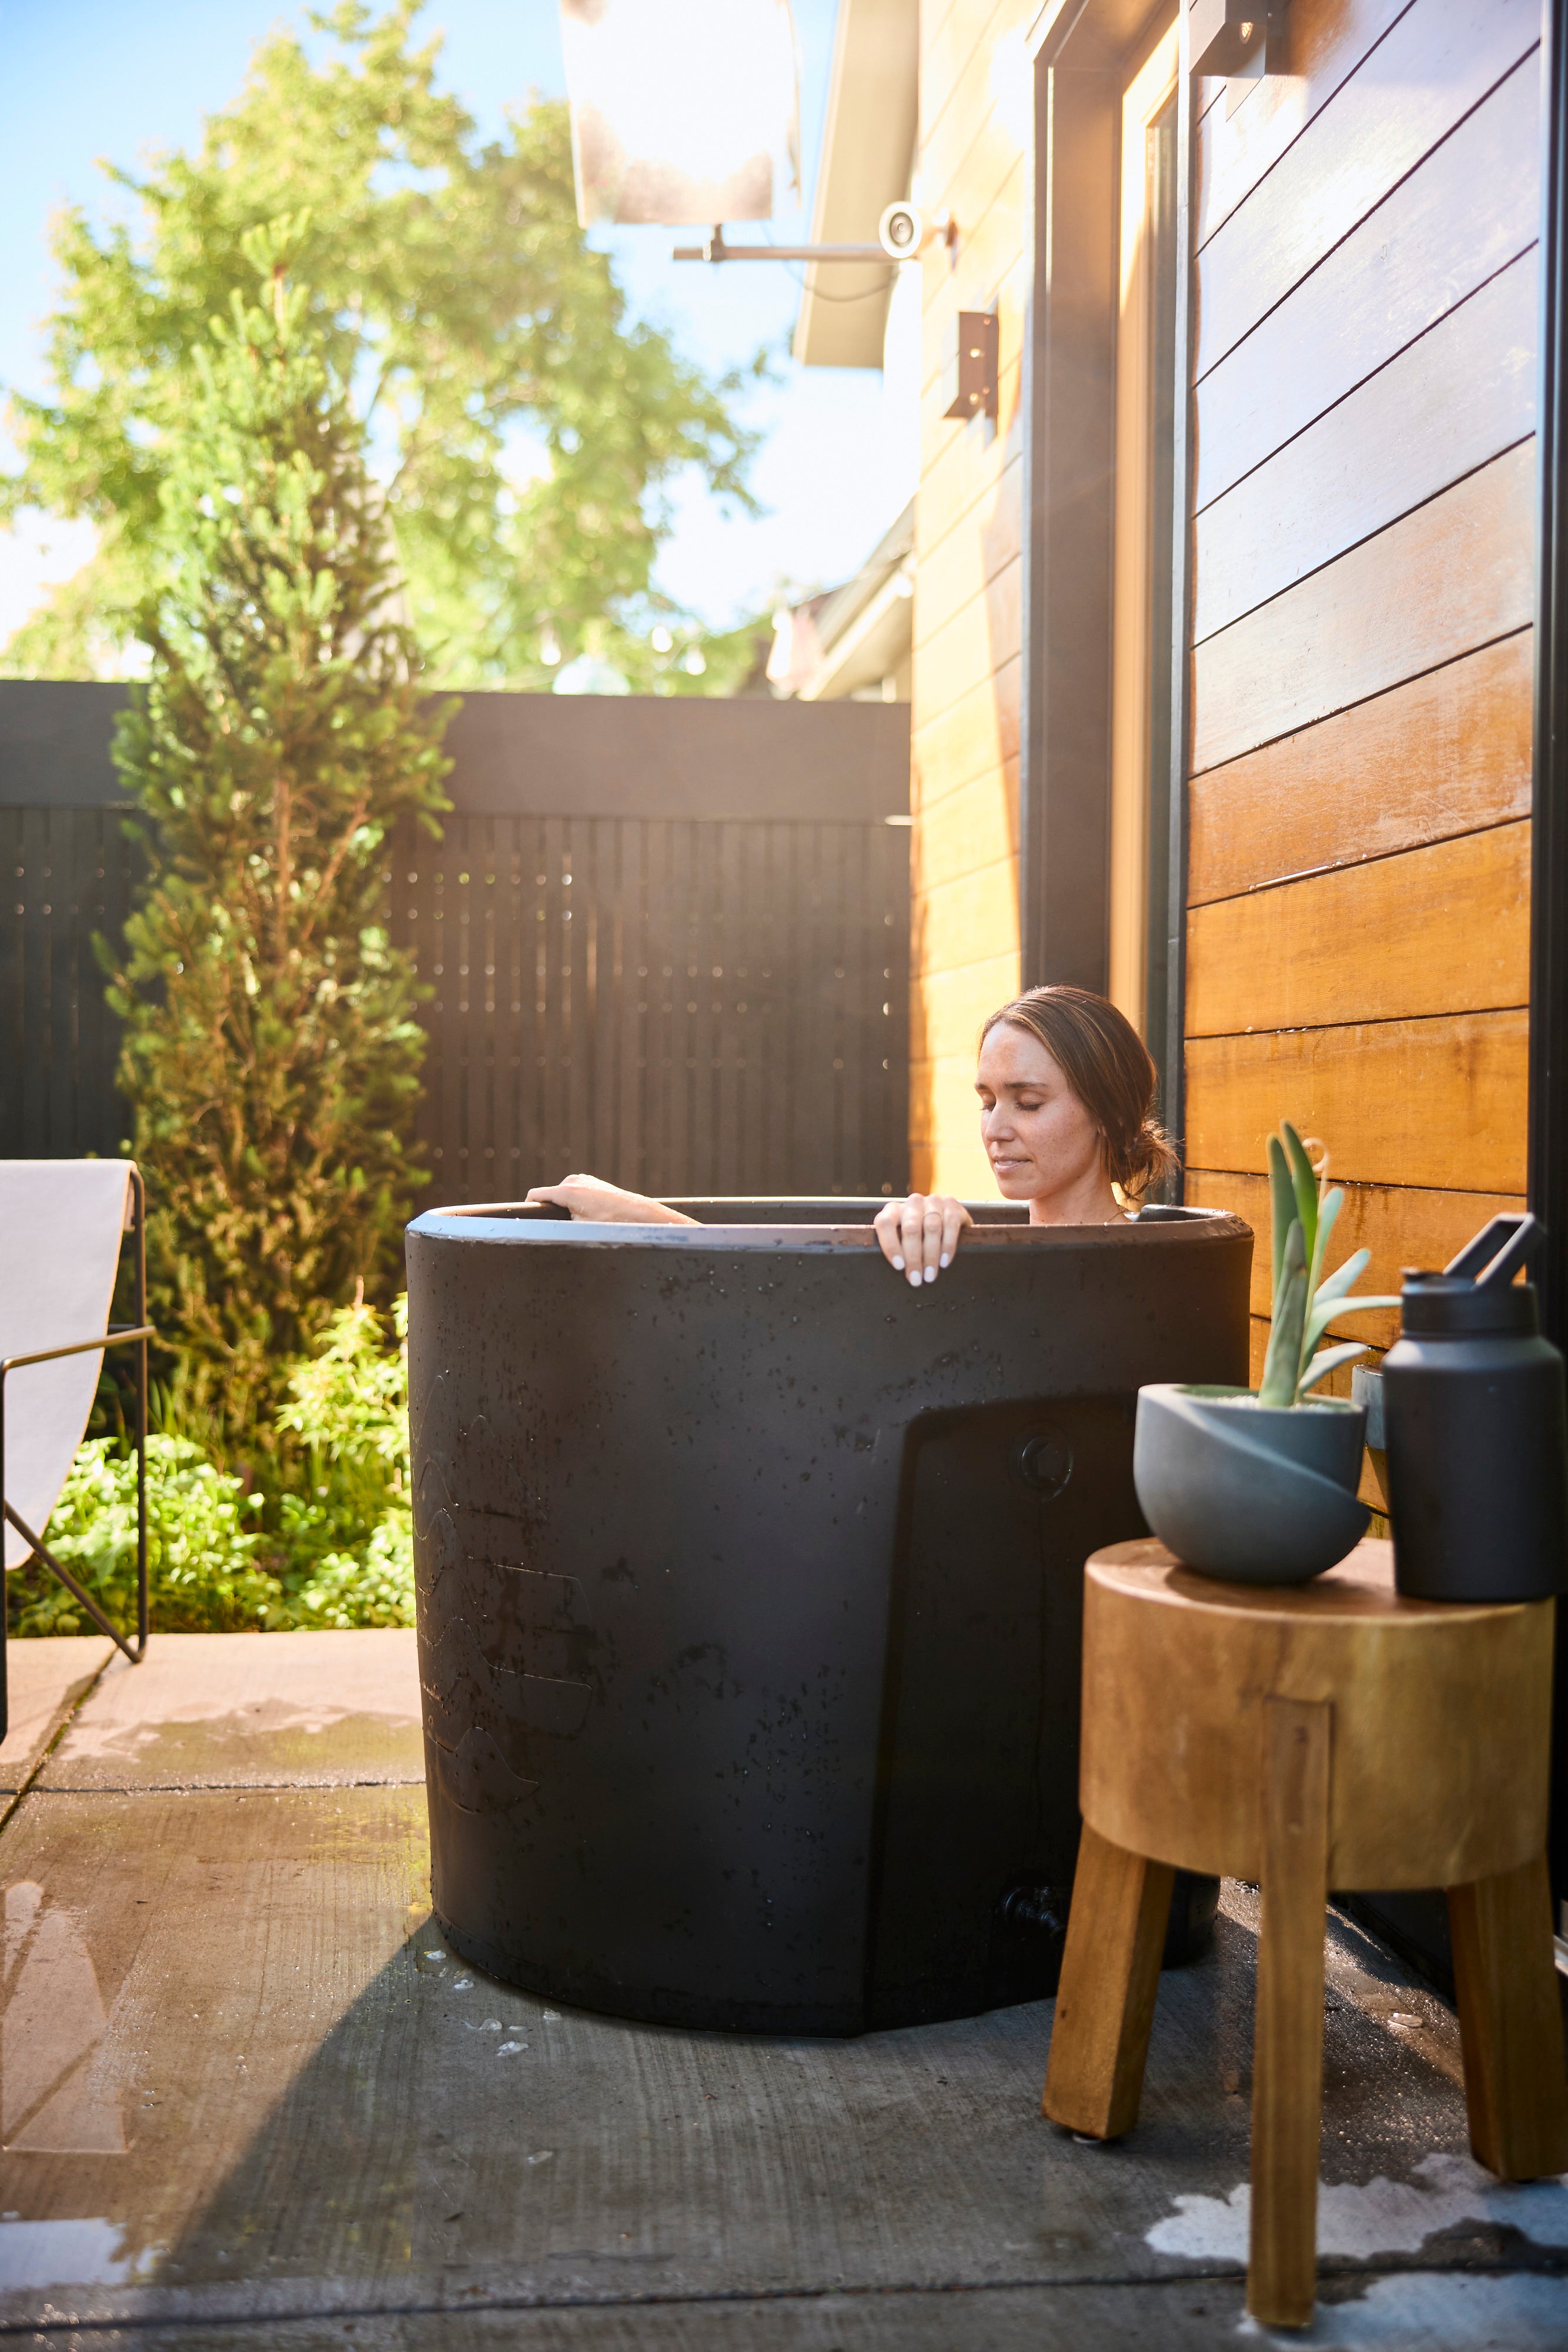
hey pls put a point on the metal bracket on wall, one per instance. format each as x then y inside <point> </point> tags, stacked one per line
<point>1243,39</point>
<point>970,365</point>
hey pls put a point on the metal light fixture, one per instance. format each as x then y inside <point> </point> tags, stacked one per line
<point>1236,36</point>
<point>970,365</point>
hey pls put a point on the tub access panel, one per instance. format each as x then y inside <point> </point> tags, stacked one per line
<point>749,1591</point>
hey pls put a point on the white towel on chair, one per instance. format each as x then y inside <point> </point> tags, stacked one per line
<point>61,1222</point>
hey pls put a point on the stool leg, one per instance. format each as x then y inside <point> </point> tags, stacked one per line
<point>1510,2022</point>
<point>1105,2003</point>
<point>1288,2040</point>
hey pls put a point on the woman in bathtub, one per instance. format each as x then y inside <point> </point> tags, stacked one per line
<point>1066,1090</point>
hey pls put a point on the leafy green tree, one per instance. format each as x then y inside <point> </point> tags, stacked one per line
<point>270,1048</point>
<point>522,425</point>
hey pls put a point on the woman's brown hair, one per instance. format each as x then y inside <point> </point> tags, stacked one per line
<point>1109,1069</point>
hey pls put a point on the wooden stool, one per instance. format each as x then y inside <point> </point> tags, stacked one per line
<point>1325,1734</point>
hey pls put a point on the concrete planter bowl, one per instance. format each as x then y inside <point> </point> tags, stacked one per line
<point>1250,1493</point>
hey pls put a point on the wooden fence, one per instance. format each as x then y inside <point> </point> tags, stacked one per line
<point>668,941</point>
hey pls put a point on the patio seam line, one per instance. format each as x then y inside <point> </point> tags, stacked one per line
<point>13,1797</point>
<point>205,1788</point>
<point>1216,2275</point>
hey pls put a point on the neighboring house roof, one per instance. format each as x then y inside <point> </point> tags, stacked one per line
<point>868,151</point>
<point>853,636</point>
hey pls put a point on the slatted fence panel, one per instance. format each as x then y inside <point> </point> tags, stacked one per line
<point>69,874</point>
<point>697,1006</point>
<point>694,1005</point>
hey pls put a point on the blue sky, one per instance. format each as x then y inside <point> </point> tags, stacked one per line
<point>90,78</point>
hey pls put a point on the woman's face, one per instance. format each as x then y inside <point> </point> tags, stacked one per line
<point>1038,1136</point>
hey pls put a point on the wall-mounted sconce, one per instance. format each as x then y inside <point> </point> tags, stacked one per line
<point>1236,36</point>
<point>970,365</point>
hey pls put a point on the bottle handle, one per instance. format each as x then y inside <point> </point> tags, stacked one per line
<point>1498,1250</point>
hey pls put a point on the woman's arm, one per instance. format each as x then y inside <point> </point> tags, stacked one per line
<point>606,1204</point>
<point>919,1235</point>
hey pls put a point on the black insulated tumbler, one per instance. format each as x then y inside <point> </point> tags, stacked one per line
<point>1476,1428</point>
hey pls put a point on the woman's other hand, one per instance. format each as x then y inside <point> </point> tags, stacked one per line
<point>919,1235</point>
<point>599,1204</point>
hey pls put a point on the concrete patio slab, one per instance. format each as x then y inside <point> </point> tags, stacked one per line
<point>248,2098</point>
<point>248,1711</point>
<point>1411,2313</point>
<point>45,1680</point>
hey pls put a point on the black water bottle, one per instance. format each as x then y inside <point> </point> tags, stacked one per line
<point>1476,1417</point>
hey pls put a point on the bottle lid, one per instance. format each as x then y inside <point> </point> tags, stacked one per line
<point>1435,1306</point>
<point>1476,1291</point>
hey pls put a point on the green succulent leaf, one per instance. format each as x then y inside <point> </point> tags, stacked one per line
<point>1326,1361</point>
<point>1282,1363</point>
<point>1305,1185</point>
<point>1282,1197</point>
<point>1324,1313</point>
<point>1336,1285</point>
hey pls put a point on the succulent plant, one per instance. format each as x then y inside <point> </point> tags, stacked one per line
<point>1306,1301</point>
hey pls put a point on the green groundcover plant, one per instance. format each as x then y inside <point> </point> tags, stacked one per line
<point>327,1541</point>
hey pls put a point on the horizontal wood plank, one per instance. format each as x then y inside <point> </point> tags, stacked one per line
<point>958,916</point>
<point>976,737</point>
<point>1441,58</point>
<point>968,279</point>
<point>1443,755</point>
<point>1439,1103</point>
<point>980,637</point>
<point>1440,929</point>
<point>1424,248</point>
<point>1456,574</point>
<point>971,142</point>
<point>968,829</point>
<point>955,1005</point>
<point>961,473</point>
<point>963,564</point>
<point>1328,39</point>
<point>1401,1225</point>
<point>1459,395</point>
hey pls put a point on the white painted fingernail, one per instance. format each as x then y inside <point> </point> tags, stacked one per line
<point>915,1276</point>
<point>943,1260</point>
<point>898,1264</point>
<point>931,1272</point>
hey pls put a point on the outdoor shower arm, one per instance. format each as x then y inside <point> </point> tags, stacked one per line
<point>902,234</point>
<point>714,248</point>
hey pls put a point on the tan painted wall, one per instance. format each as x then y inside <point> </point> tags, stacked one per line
<point>973,163</point>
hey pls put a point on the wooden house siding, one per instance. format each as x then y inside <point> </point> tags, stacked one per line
<point>1365,292</point>
<point>973,163</point>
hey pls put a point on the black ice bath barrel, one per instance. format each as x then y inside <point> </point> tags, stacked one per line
<point>748,1587</point>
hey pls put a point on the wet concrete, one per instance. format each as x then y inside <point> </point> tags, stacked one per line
<point>248,2098</point>
<point>250,1711</point>
<point>45,1681</point>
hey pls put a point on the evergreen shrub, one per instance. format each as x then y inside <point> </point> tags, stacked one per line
<point>270,1047</point>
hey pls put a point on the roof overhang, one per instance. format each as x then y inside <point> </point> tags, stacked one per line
<point>868,151</point>
<point>864,630</point>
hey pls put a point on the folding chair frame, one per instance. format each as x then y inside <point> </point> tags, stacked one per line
<point>118,1335</point>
